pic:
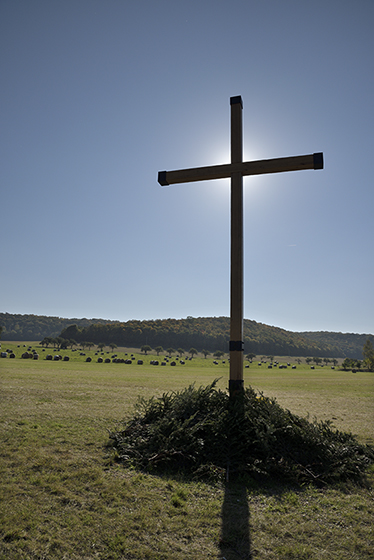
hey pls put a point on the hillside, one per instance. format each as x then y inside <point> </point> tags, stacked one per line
<point>348,344</point>
<point>210,333</point>
<point>36,327</point>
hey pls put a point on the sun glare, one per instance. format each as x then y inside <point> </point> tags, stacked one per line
<point>217,155</point>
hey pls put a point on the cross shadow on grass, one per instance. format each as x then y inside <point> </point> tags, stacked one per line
<point>235,541</point>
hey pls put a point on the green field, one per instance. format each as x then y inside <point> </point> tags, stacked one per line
<point>63,496</point>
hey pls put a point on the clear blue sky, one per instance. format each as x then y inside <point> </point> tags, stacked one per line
<point>98,96</point>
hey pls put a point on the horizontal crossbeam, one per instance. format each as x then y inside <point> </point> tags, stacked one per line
<point>277,165</point>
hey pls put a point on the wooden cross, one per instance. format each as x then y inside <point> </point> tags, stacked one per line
<point>237,169</point>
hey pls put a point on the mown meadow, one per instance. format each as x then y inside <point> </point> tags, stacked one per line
<point>64,496</point>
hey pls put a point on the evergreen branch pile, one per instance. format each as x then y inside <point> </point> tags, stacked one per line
<point>204,433</point>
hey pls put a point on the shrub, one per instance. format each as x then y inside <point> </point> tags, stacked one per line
<point>202,431</point>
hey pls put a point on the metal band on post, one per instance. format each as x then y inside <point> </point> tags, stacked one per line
<point>236,387</point>
<point>236,346</point>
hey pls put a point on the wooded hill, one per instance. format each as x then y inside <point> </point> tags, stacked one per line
<point>350,345</point>
<point>212,333</point>
<point>209,333</point>
<point>36,327</point>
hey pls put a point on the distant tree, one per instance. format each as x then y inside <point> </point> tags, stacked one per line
<point>180,352</point>
<point>218,354</point>
<point>146,348</point>
<point>193,352</point>
<point>308,360</point>
<point>368,354</point>
<point>84,344</point>
<point>347,364</point>
<point>72,343</point>
<point>298,360</point>
<point>317,360</point>
<point>335,361</point>
<point>58,341</point>
<point>47,340</point>
<point>112,345</point>
<point>170,351</point>
<point>250,356</point>
<point>101,345</point>
<point>326,360</point>
<point>159,349</point>
<point>205,352</point>
<point>90,344</point>
<point>71,332</point>
<point>271,358</point>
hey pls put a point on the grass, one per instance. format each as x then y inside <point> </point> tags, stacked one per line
<point>64,496</point>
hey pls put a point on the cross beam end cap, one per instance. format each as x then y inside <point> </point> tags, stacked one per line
<point>236,99</point>
<point>162,178</point>
<point>318,161</point>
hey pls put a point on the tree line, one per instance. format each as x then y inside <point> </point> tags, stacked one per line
<point>36,327</point>
<point>61,343</point>
<point>209,333</point>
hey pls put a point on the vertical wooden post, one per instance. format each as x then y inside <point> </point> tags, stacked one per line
<point>237,250</point>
